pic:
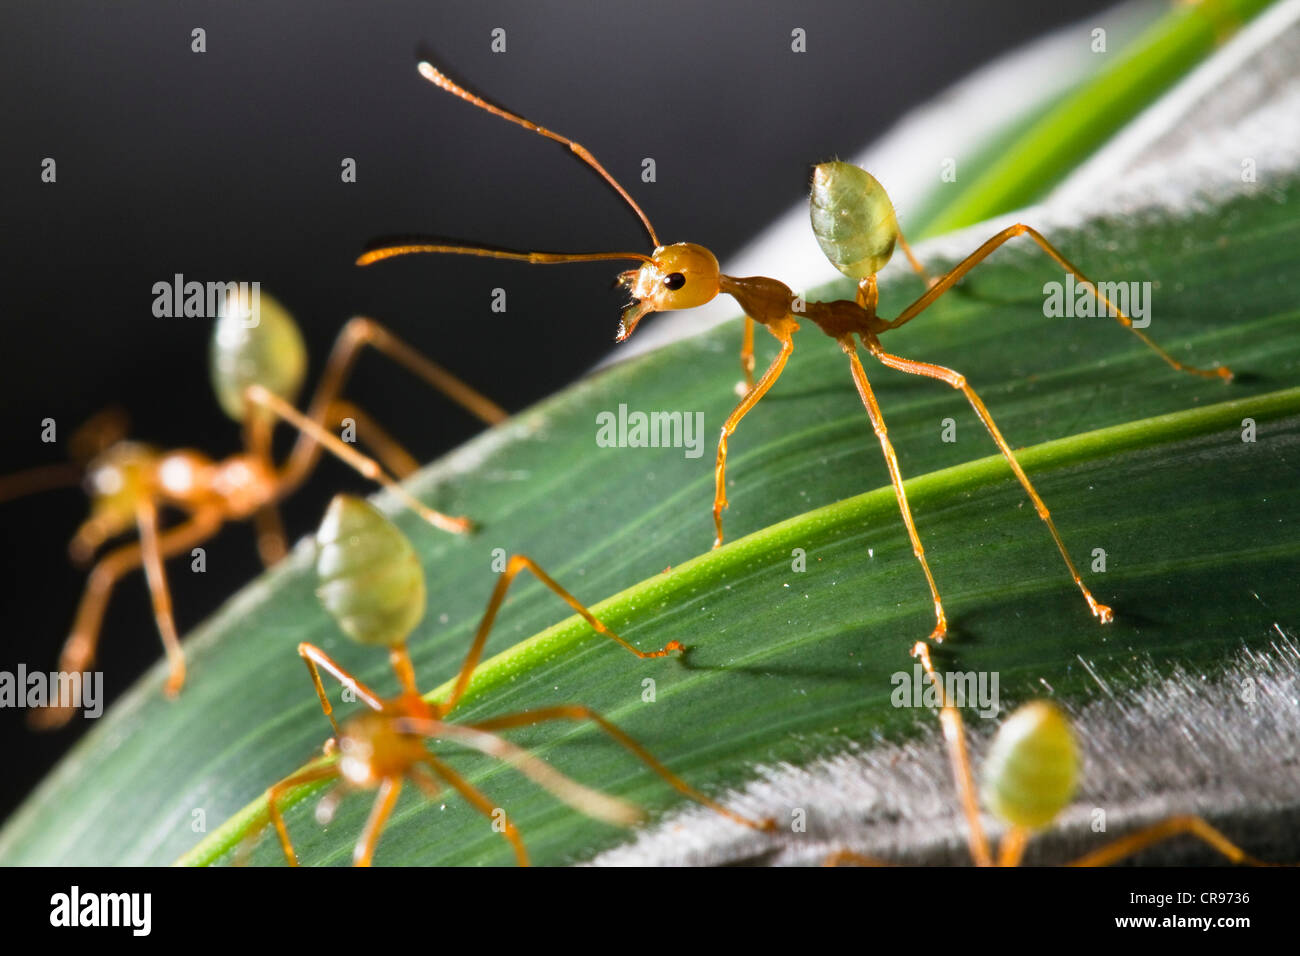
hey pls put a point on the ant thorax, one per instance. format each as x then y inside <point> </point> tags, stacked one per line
<point>242,481</point>
<point>371,747</point>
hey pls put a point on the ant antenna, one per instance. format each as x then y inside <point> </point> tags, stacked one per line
<point>442,81</point>
<point>536,258</point>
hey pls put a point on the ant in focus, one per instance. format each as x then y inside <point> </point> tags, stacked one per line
<point>856,226</point>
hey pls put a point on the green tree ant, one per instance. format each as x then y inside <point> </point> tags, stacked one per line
<point>855,224</point>
<point>1029,777</point>
<point>257,370</point>
<point>372,584</point>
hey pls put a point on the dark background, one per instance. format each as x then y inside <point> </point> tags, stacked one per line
<point>226,165</point>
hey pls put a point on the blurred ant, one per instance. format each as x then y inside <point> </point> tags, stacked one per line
<point>258,367</point>
<point>1029,778</point>
<point>372,583</point>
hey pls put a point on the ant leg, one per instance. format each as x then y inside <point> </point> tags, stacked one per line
<point>747,357</point>
<point>784,331</point>
<point>424,779</point>
<point>394,457</point>
<point>272,545</point>
<point>389,790</point>
<point>273,796</point>
<point>958,381</point>
<point>1174,826</point>
<point>480,803</point>
<point>896,479</point>
<point>317,660</point>
<point>1019,229</point>
<point>361,331</point>
<point>517,563</point>
<point>356,334</point>
<point>849,858</point>
<point>79,649</point>
<point>268,529</point>
<point>580,713</point>
<point>259,396</point>
<point>915,262</point>
<point>156,577</point>
<point>1013,847</point>
<point>954,735</point>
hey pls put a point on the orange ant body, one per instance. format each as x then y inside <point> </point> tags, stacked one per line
<point>372,583</point>
<point>856,226</point>
<point>257,370</point>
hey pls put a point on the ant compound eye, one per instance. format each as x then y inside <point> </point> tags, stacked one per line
<point>674,281</point>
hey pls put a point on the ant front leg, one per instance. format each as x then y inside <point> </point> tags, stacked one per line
<point>390,788</point>
<point>317,660</point>
<point>156,576</point>
<point>78,652</point>
<point>517,563</point>
<point>311,775</point>
<point>746,358</point>
<point>958,381</point>
<point>784,332</point>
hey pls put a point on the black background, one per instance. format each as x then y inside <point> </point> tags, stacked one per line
<point>226,164</point>
<point>907,902</point>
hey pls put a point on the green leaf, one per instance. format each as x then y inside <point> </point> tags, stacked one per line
<point>1131,457</point>
<point>1014,173</point>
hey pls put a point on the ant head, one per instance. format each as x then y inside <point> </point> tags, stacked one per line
<point>373,746</point>
<point>117,480</point>
<point>681,276</point>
